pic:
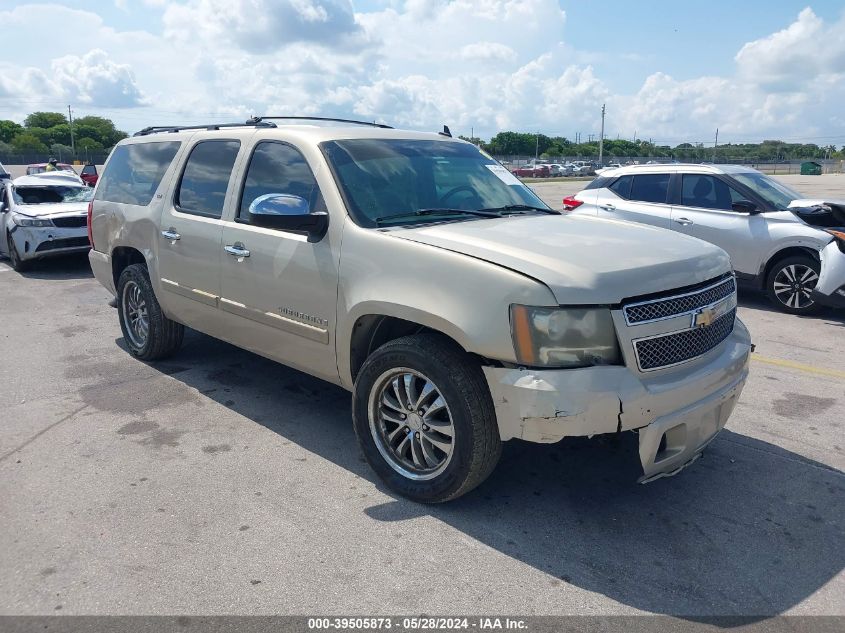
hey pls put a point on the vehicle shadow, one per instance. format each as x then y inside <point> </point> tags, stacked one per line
<point>74,266</point>
<point>754,299</point>
<point>751,529</point>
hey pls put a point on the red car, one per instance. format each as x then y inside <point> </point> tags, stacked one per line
<point>532,171</point>
<point>89,174</point>
<point>40,168</point>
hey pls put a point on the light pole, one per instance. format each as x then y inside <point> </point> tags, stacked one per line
<point>601,138</point>
<point>70,122</point>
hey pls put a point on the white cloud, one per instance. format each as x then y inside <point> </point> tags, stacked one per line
<point>486,64</point>
<point>264,26</point>
<point>487,52</point>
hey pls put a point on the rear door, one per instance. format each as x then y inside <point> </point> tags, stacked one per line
<point>190,233</point>
<point>641,198</point>
<point>278,290</point>
<point>704,211</point>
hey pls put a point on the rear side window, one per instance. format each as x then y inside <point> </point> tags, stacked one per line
<point>88,170</point>
<point>622,186</point>
<point>202,189</point>
<point>278,168</point>
<point>134,172</point>
<point>598,183</point>
<point>650,188</point>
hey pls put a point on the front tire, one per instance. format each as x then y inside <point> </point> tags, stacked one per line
<point>790,282</point>
<point>149,335</point>
<point>424,418</point>
<point>18,264</point>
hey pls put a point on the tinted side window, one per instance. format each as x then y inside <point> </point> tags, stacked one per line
<point>598,183</point>
<point>135,171</point>
<point>89,169</point>
<point>622,186</point>
<point>650,187</point>
<point>699,190</point>
<point>202,189</point>
<point>278,168</point>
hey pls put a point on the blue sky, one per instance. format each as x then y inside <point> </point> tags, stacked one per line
<point>671,71</point>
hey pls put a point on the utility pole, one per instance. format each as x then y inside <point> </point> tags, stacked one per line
<point>715,145</point>
<point>537,148</point>
<point>70,121</point>
<point>601,138</point>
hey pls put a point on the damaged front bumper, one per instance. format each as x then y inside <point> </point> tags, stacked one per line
<point>39,242</point>
<point>676,412</point>
<point>830,290</point>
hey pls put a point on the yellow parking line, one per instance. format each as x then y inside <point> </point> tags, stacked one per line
<point>810,369</point>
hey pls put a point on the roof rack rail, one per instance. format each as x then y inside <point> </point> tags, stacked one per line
<point>258,119</point>
<point>209,126</point>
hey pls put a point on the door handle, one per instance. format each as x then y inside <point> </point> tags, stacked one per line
<point>236,250</point>
<point>608,207</point>
<point>684,221</point>
<point>170,234</point>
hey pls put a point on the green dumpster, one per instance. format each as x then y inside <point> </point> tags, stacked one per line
<point>811,168</point>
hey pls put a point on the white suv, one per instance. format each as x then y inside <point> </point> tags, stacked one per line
<point>790,246</point>
<point>418,273</point>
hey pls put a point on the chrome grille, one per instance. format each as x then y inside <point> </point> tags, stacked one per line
<point>671,349</point>
<point>663,308</point>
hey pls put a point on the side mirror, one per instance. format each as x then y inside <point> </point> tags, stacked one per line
<point>287,212</point>
<point>744,206</point>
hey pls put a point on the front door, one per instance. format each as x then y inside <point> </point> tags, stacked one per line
<point>191,233</point>
<point>705,212</point>
<point>279,289</point>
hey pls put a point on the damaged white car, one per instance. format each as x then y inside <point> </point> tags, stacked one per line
<point>43,215</point>
<point>791,247</point>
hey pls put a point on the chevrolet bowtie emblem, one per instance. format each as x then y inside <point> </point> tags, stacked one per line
<point>705,317</point>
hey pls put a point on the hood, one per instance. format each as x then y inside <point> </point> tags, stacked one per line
<point>582,259</point>
<point>820,213</point>
<point>51,210</point>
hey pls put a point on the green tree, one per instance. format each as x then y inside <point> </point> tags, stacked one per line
<point>27,142</point>
<point>62,152</point>
<point>9,130</point>
<point>44,119</point>
<point>99,129</point>
<point>86,144</point>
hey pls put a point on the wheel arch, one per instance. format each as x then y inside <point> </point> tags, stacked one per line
<point>124,256</point>
<point>784,253</point>
<point>372,329</point>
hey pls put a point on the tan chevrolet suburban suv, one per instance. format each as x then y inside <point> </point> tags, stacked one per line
<point>417,272</point>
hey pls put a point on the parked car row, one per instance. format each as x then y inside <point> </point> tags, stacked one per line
<point>554,170</point>
<point>791,247</point>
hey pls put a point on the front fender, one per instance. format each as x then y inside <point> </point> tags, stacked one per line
<point>463,297</point>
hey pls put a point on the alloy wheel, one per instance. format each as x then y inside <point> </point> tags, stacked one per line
<point>793,285</point>
<point>135,314</point>
<point>411,423</point>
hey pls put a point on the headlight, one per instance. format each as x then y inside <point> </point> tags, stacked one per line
<point>564,337</point>
<point>22,220</point>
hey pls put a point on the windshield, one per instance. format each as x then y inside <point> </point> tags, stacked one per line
<point>52,194</point>
<point>423,181</point>
<point>774,192</point>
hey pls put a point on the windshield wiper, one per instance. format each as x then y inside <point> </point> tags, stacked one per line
<point>485,213</point>
<point>520,207</point>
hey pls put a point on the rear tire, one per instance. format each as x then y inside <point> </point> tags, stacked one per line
<point>149,335</point>
<point>424,418</point>
<point>18,264</point>
<point>790,282</point>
